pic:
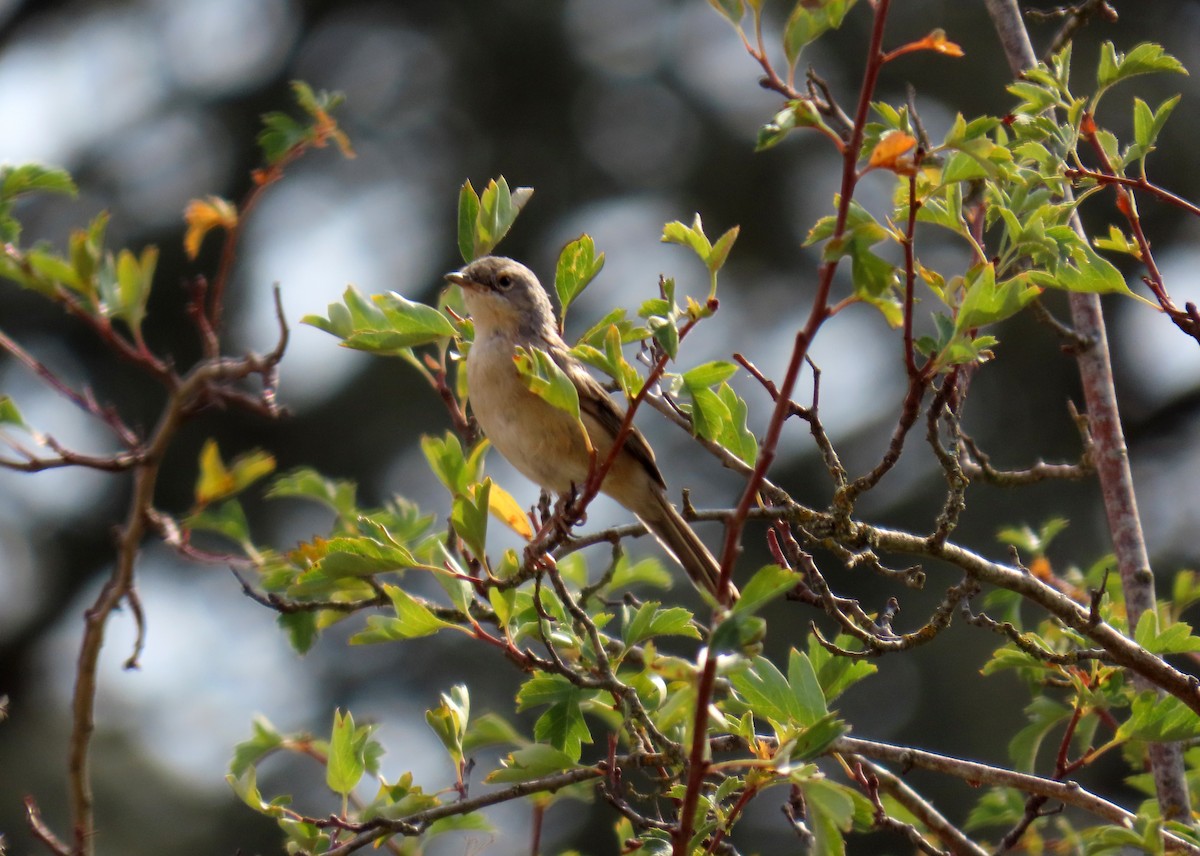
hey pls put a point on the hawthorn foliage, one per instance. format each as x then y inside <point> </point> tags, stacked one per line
<point>676,717</point>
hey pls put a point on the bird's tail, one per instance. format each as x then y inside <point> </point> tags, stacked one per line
<point>681,541</point>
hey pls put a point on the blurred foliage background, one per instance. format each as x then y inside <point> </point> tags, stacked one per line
<point>623,114</point>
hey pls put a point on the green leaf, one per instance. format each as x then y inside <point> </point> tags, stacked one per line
<point>301,629</point>
<point>710,416</point>
<point>134,279</point>
<point>988,302</point>
<point>563,726</point>
<point>1146,58</point>
<point>736,435</point>
<point>651,620</point>
<point>833,809</point>
<point>738,633</point>
<point>768,583</point>
<point>307,483</point>
<point>835,673</point>
<point>689,236</point>
<point>469,514</point>
<point>805,687</point>
<point>490,730</point>
<point>1176,638</point>
<point>542,376</point>
<point>1086,271</point>
<point>245,786</point>
<point>226,519</point>
<point>578,265</point>
<point>33,177</point>
<point>9,414</point>
<point>349,755</point>
<point>498,210</point>
<point>361,556</point>
<point>264,740</point>
<point>531,762</point>
<point>454,469</point>
<point>709,374</point>
<point>720,250</point>
<point>731,10</point>
<point>1044,714</point>
<point>387,324</point>
<point>809,19</point>
<point>771,695</point>
<point>468,214</point>
<point>413,620</point>
<point>449,721</point>
<point>1159,719</point>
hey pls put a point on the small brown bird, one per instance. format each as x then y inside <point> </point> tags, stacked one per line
<point>510,310</point>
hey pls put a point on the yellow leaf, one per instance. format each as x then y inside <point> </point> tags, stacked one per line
<point>251,467</point>
<point>215,480</point>
<point>887,152</point>
<point>204,215</point>
<point>505,509</point>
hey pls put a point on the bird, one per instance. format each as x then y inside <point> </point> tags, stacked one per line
<point>510,309</point>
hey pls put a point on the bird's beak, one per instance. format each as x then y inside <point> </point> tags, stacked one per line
<point>457,278</point>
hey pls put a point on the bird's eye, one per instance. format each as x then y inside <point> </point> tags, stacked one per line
<point>504,281</point>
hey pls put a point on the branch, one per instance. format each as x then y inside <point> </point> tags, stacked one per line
<point>978,774</point>
<point>417,822</point>
<point>921,809</point>
<point>698,765</point>
<point>1112,459</point>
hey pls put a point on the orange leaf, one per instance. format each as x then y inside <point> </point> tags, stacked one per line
<point>937,41</point>
<point>888,150</point>
<point>204,215</point>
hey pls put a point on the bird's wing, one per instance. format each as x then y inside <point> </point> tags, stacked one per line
<point>595,401</point>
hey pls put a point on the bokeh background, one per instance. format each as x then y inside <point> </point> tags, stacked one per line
<point>623,114</point>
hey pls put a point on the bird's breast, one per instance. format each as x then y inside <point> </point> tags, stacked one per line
<point>544,443</point>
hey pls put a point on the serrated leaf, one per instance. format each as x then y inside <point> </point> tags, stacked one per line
<point>204,215</point>
<point>264,740</point>
<point>1146,58</point>
<point>33,177</point>
<point>307,483</point>
<point>498,210</point>
<point>737,436</point>
<point>347,760</point>
<point>387,324</point>
<point>578,264</point>
<point>766,691</point>
<point>768,583</point>
<point>1159,719</point>
<point>652,620</point>
<point>542,376</point>
<point>835,673</point>
<point>563,727</point>
<point>413,620</point>
<point>988,302</point>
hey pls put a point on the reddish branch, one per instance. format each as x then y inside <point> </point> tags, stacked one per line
<point>698,762</point>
